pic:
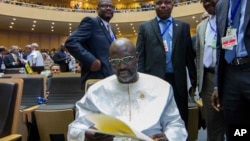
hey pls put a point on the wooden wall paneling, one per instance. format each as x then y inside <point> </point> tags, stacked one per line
<point>24,39</point>
<point>45,41</point>
<point>4,38</point>
<point>54,41</point>
<point>35,38</point>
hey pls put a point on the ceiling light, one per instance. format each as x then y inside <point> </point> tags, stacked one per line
<point>34,21</point>
<point>12,23</point>
<point>116,24</point>
<point>11,26</point>
<point>14,19</point>
<point>52,26</point>
<point>131,24</point>
<point>32,29</point>
<point>69,27</point>
<point>52,30</point>
<point>69,23</point>
<point>193,17</point>
<point>197,21</point>
<point>52,23</point>
<point>117,28</point>
<point>134,31</point>
<point>119,31</point>
<point>34,25</point>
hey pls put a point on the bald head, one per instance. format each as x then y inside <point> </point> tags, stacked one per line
<point>122,45</point>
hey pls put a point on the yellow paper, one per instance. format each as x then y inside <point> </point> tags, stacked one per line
<point>106,124</point>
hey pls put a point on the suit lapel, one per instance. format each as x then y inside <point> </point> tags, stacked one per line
<point>223,17</point>
<point>175,31</point>
<point>247,16</point>
<point>104,29</point>
<point>157,30</point>
<point>203,30</point>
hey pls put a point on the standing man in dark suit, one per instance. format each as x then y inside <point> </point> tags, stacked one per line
<point>2,54</point>
<point>165,48</point>
<point>206,60</point>
<point>90,42</point>
<point>62,58</point>
<point>232,83</point>
<point>11,60</point>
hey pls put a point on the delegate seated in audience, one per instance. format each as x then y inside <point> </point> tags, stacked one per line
<point>78,67</point>
<point>55,69</point>
<point>144,102</point>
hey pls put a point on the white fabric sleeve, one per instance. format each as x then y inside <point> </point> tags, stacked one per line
<point>173,125</point>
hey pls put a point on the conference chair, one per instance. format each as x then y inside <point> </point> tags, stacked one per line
<point>90,82</point>
<point>10,101</point>
<point>34,86</point>
<point>53,120</point>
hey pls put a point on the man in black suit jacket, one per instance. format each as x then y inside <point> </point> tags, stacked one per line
<point>11,60</point>
<point>2,54</point>
<point>90,42</point>
<point>168,57</point>
<point>62,58</point>
<point>232,83</point>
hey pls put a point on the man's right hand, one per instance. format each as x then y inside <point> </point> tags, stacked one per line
<point>215,100</point>
<point>96,65</point>
<point>92,136</point>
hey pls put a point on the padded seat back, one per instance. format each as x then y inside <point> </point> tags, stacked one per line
<point>11,92</point>
<point>64,90</point>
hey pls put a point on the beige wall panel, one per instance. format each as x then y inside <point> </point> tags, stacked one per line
<point>62,39</point>
<point>24,39</point>
<point>14,38</point>
<point>35,38</point>
<point>54,41</point>
<point>45,41</point>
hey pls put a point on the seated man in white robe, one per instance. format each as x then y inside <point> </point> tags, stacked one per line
<point>144,102</point>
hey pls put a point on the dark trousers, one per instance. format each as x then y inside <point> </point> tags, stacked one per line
<point>180,99</point>
<point>214,119</point>
<point>236,97</point>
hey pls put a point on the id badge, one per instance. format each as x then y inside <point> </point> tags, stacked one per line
<point>3,66</point>
<point>213,42</point>
<point>230,40</point>
<point>165,45</point>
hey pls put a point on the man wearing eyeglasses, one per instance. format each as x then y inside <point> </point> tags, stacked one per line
<point>90,42</point>
<point>166,50</point>
<point>142,101</point>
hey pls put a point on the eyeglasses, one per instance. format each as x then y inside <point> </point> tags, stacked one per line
<point>107,5</point>
<point>117,61</point>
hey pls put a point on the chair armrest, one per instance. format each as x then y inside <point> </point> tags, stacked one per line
<point>27,113</point>
<point>11,137</point>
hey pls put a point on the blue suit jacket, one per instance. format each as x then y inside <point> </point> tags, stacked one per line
<point>91,41</point>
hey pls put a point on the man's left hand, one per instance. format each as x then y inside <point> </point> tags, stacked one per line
<point>159,137</point>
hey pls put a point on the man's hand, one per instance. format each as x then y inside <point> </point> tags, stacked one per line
<point>215,100</point>
<point>191,91</point>
<point>159,137</point>
<point>96,65</point>
<point>92,136</point>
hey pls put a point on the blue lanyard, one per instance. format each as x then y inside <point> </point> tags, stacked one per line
<point>211,26</point>
<point>166,28</point>
<point>233,11</point>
